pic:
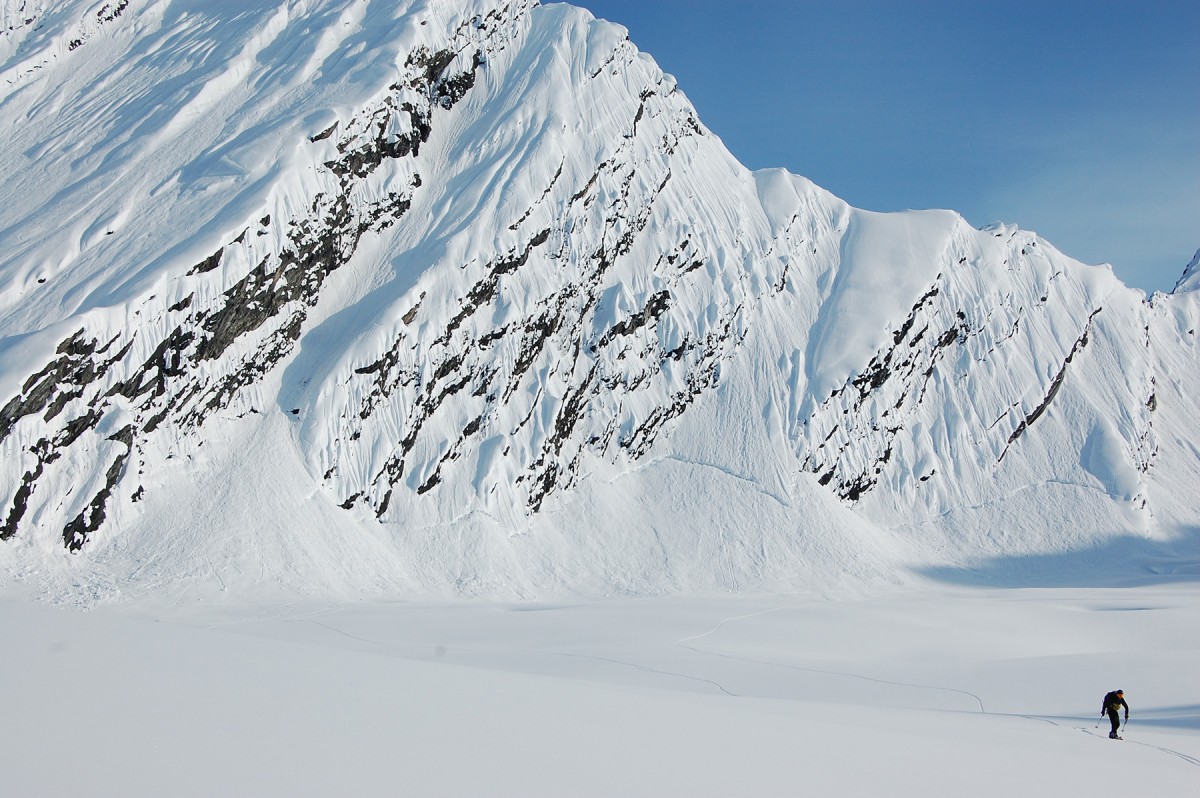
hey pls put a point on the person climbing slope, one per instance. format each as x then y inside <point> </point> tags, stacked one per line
<point>1112,706</point>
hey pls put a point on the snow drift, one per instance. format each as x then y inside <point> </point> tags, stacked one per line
<point>460,296</point>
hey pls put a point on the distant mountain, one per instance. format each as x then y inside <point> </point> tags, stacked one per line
<point>461,297</point>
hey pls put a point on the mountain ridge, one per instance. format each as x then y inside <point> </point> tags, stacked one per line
<point>446,289</point>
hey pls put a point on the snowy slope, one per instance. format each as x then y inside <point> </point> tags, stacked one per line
<point>461,297</point>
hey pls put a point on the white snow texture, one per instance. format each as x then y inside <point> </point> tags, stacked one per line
<point>459,297</point>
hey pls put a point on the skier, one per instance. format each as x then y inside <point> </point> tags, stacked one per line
<point>1112,706</point>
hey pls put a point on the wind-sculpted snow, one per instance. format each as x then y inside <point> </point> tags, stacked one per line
<point>248,291</point>
<point>462,294</point>
<point>1190,280</point>
<point>584,333</point>
<point>959,327</point>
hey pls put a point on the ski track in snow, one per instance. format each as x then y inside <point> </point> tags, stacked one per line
<point>424,301</point>
<point>703,652</point>
<point>654,684</point>
<point>539,652</point>
<point>684,644</point>
<point>1191,760</point>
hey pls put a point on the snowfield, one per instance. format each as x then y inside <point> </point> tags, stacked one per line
<point>412,397</point>
<point>929,692</point>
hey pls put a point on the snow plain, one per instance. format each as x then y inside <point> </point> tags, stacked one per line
<point>880,682</point>
<point>941,690</point>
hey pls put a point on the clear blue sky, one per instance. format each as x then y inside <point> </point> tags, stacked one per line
<point>1080,120</point>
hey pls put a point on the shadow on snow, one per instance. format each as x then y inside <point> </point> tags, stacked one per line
<point>1123,562</point>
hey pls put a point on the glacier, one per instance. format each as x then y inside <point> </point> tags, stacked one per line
<point>461,298</point>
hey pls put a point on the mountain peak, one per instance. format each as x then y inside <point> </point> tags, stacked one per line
<point>1190,279</point>
<point>462,297</point>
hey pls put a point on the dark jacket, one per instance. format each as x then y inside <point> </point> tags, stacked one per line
<point>1113,703</point>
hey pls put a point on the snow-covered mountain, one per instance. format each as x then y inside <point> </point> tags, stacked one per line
<point>460,295</point>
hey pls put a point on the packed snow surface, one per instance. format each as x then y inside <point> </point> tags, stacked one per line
<point>932,693</point>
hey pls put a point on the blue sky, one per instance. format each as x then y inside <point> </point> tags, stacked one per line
<point>1080,120</point>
